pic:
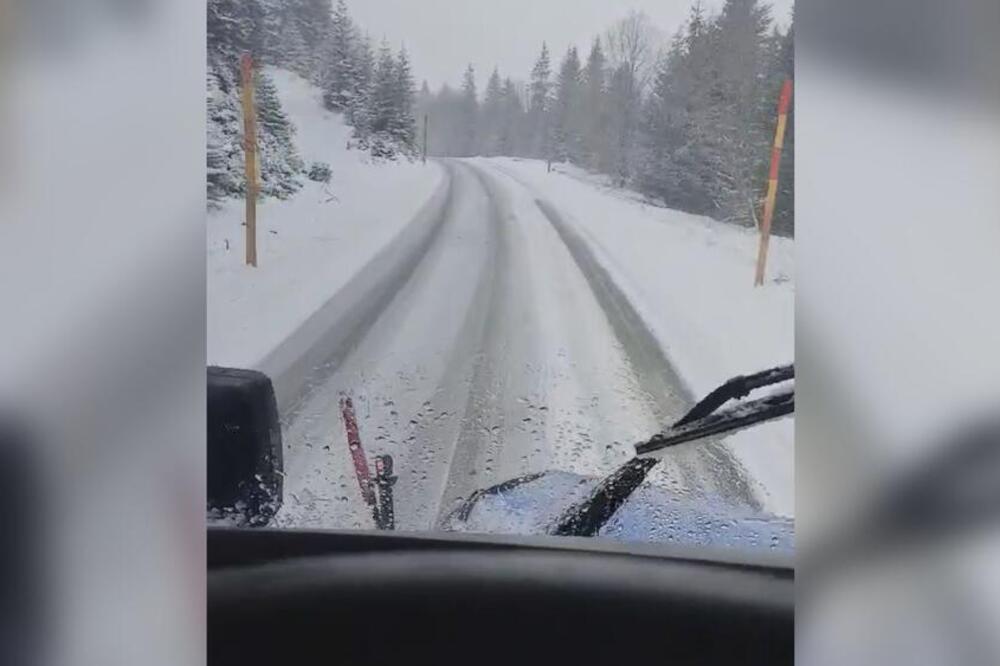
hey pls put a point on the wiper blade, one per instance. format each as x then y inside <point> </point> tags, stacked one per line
<point>703,420</point>
<point>737,387</point>
<point>741,416</point>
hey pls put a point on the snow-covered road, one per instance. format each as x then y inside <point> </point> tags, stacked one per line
<point>504,349</point>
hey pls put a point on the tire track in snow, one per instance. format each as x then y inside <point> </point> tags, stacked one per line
<point>489,427</point>
<point>665,389</point>
<point>313,351</point>
<point>408,374</point>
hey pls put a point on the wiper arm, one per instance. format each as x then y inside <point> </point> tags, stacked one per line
<point>587,518</point>
<point>703,420</point>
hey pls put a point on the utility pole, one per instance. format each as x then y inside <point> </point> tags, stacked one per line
<point>425,138</point>
<point>250,154</point>
<point>772,181</point>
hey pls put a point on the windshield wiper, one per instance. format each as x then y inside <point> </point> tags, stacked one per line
<point>737,387</point>
<point>738,417</point>
<point>703,420</point>
<point>587,518</point>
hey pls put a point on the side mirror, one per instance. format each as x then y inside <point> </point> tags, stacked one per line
<point>244,447</point>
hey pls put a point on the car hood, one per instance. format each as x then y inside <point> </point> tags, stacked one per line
<point>652,514</point>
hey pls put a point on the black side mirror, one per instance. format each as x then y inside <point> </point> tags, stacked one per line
<point>244,447</point>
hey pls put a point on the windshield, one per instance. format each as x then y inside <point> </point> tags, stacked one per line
<point>477,261</point>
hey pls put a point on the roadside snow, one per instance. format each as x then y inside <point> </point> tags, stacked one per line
<point>310,245</point>
<point>691,279</point>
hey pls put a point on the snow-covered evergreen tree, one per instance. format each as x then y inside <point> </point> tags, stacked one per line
<point>384,90</point>
<point>567,110</point>
<point>341,79</point>
<point>594,105</point>
<point>403,124</point>
<point>235,28</point>
<point>492,116</point>
<point>360,112</point>
<point>469,127</point>
<point>280,164</point>
<point>317,28</point>
<point>291,49</point>
<point>224,143</point>
<point>539,105</point>
<point>384,102</point>
<point>782,68</point>
<point>509,139</point>
<point>739,116</point>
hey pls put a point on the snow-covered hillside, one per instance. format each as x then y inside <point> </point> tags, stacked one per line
<point>310,245</point>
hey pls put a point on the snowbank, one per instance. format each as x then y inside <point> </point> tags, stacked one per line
<point>310,245</point>
<point>691,279</point>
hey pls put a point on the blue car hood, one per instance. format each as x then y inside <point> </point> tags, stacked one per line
<point>652,514</point>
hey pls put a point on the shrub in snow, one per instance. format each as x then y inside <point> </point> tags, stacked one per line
<point>382,146</point>
<point>320,172</point>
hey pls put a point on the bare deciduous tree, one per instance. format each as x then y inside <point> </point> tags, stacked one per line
<point>634,43</point>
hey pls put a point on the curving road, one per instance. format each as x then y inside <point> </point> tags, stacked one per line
<point>503,349</point>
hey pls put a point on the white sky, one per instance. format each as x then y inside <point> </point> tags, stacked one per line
<point>443,36</point>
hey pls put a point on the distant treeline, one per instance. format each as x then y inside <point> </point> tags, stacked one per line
<point>690,123</point>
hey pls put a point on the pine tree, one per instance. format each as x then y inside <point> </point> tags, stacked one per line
<point>470,113</point>
<point>291,45</point>
<point>784,211</point>
<point>235,28</point>
<point>594,91</point>
<point>623,117</point>
<point>224,155</point>
<point>567,110</point>
<point>403,123</point>
<point>292,34</point>
<point>273,22</point>
<point>539,105</point>
<point>697,160</point>
<point>383,109</point>
<point>340,80</point>
<point>739,126</point>
<point>492,116</point>
<point>280,164</point>
<point>229,29</point>
<point>317,29</point>
<point>678,159</point>
<point>360,112</point>
<point>540,85</point>
<point>512,112</point>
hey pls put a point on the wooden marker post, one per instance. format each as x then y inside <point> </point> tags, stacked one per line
<point>250,153</point>
<point>772,180</point>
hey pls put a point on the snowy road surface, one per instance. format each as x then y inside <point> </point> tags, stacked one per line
<point>504,349</point>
